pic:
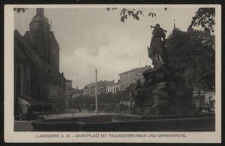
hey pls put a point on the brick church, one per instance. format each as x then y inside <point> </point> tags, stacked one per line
<point>36,65</point>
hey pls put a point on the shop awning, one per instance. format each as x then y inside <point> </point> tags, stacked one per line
<point>29,100</point>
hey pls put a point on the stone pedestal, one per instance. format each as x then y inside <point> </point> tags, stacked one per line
<point>162,93</point>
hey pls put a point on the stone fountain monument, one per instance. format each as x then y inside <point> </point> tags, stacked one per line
<point>162,92</point>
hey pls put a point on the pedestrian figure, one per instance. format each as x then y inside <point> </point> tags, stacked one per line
<point>79,108</point>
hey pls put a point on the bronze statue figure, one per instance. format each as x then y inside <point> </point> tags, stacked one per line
<point>157,51</point>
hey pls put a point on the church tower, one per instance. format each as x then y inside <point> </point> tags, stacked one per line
<point>39,26</point>
<point>43,40</point>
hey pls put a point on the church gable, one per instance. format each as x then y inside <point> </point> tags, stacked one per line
<point>18,53</point>
<point>27,37</point>
<point>28,53</point>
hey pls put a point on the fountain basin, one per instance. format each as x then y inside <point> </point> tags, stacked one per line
<point>121,122</point>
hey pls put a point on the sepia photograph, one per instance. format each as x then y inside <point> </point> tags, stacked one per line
<point>113,73</point>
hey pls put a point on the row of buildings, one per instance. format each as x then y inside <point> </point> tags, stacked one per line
<point>130,77</point>
<point>125,80</point>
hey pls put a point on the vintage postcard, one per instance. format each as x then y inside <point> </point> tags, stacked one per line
<point>112,73</point>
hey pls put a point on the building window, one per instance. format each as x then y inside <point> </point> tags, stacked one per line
<point>39,33</point>
<point>41,26</point>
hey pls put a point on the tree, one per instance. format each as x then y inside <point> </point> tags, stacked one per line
<point>204,17</point>
<point>20,10</point>
<point>192,56</point>
<point>104,99</point>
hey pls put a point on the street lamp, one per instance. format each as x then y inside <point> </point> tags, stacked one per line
<point>96,92</point>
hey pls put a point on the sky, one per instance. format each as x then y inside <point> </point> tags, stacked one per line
<point>91,38</point>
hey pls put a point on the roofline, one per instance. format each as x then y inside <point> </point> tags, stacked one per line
<point>128,71</point>
<point>134,69</point>
<point>21,41</point>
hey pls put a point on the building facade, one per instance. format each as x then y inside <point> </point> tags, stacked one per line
<point>113,88</point>
<point>36,65</point>
<point>68,92</point>
<point>89,89</point>
<point>130,77</point>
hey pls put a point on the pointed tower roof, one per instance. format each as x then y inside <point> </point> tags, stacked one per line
<point>39,16</point>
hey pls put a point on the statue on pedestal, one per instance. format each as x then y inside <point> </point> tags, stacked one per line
<point>162,92</point>
<point>157,51</point>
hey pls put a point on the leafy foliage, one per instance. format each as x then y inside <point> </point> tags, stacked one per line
<point>192,56</point>
<point>135,13</point>
<point>204,17</point>
<point>20,9</point>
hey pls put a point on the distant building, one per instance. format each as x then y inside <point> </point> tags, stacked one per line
<point>204,99</point>
<point>113,88</point>
<point>77,91</point>
<point>36,65</point>
<point>198,98</point>
<point>68,92</point>
<point>130,77</point>
<point>210,100</point>
<point>89,89</point>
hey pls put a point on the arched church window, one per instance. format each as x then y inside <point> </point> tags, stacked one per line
<point>39,33</point>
